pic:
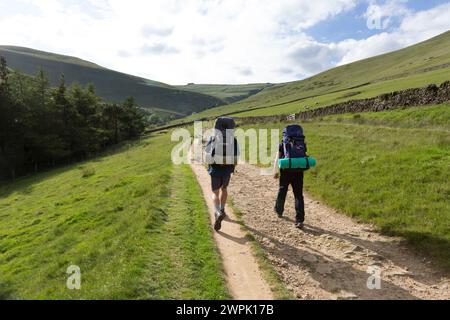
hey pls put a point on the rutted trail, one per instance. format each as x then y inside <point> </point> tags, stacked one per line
<point>330,258</point>
<point>243,276</point>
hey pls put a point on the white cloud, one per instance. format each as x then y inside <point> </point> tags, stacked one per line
<point>428,23</point>
<point>382,16</point>
<point>415,27</point>
<point>149,31</point>
<point>173,41</point>
<point>214,41</point>
<point>158,48</point>
<point>312,57</point>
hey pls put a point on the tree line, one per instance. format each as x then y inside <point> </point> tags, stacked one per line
<point>42,126</point>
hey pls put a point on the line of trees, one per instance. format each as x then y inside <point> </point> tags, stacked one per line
<point>41,126</point>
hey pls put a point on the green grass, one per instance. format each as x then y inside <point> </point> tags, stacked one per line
<point>394,175</point>
<point>185,261</point>
<point>434,117</point>
<point>415,66</point>
<point>136,226</point>
<point>225,92</point>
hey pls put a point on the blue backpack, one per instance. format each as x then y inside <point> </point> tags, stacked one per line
<point>294,142</point>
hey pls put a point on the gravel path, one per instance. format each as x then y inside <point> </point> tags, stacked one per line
<point>331,257</point>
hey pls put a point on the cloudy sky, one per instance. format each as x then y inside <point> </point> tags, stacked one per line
<point>221,41</point>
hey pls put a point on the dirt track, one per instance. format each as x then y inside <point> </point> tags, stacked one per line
<point>330,258</point>
<point>242,273</point>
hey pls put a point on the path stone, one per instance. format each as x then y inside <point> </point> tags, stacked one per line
<point>310,258</point>
<point>346,295</point>
<point>324,269</point>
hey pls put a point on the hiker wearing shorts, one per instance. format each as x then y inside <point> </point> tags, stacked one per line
<point>220,179</point>
<point>293,177</point>
<point>221,165</point>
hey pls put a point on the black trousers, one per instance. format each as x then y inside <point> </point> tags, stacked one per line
<point>294,178</point>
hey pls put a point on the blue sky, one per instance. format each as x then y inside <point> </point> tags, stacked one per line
<point>353,23</point>
<point>229,41</point>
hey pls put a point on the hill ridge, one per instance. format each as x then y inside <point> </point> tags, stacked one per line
<point>112,85</point>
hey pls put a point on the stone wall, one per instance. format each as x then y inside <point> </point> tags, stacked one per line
<point>431,94</point>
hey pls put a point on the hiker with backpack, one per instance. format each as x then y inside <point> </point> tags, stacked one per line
<point>294,161</point>
<point>221,154</point>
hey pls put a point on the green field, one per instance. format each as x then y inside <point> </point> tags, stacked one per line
<point>435,117</point>
<point>390,168</point>
<point>416,66</point>
<point>136,226</point>
<point>225,92</point>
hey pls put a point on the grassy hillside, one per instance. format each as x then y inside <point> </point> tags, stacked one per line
<point>135,225</point>
<point>435,117</point>
<point>227,93</point>
<point>415,66</point>
<point>389,168</point>
<point>111,85</point>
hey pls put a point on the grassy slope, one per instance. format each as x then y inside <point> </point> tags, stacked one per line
<point>225,92</point>
<point>49,56</point>
<point>111,85</point>
<point>415,66</point>
<point>136,226</point>
<point>369,91</point>
<point>390,168</point>
<point>435,117</point>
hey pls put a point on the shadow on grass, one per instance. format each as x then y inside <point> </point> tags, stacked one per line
<point>24,185</point>
<point>430,245</point>
<point>6,292</point>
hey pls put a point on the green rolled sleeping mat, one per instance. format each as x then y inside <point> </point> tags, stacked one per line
<point>297,163</point>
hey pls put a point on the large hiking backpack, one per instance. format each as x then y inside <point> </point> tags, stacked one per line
<point>294,142</point>
<point>222,147</point>
<point>222,124</point>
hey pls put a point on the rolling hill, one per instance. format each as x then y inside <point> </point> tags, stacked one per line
<point>225,92</point>
<point>415,66</point>
<point>111,85</point>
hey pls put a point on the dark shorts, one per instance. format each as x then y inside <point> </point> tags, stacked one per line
<point>220,182</point>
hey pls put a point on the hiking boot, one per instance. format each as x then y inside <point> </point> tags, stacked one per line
<point>220,215</point>
<point>280,215</point>
<point>299,225</point>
